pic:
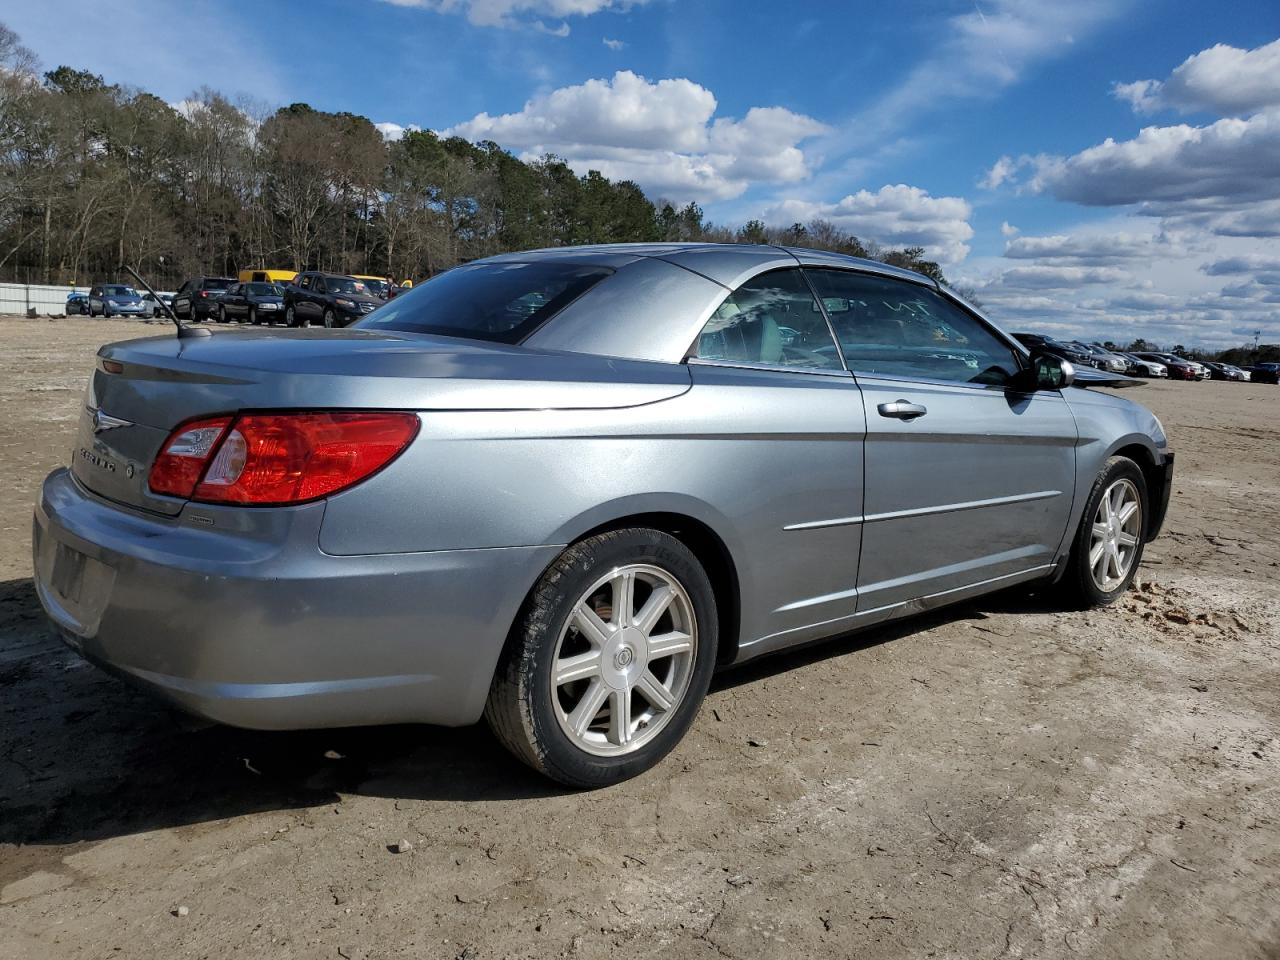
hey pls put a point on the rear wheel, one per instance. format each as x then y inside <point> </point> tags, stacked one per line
<point>609,661</point>
<point>1108,546</point>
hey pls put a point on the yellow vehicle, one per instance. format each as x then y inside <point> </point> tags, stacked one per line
<point>267,276</point>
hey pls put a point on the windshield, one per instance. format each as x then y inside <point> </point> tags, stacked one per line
<point>118,290</point>
<point>376,287</point>
<point>500,302</point>
<point>345,285</point>
<point>263,290</point>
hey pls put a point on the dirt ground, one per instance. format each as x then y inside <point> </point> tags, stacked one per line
<point>1000,779</point>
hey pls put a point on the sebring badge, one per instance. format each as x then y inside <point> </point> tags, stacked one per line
<point>104,421</point>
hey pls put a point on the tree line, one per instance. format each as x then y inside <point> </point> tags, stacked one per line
<point>94,175</point>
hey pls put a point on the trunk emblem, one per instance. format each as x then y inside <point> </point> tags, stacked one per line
<point>104,421</point>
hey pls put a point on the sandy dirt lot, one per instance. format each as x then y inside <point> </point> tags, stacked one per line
<point>1001,779</point>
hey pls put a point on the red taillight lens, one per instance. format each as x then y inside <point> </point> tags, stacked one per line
<point>293,457</point>
<point>183,457</point>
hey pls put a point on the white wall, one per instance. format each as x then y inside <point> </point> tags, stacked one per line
<point>15,298</point>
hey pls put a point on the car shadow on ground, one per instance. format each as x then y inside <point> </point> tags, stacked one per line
<point>83,756</point>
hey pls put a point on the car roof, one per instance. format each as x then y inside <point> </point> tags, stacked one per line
<point>725,263</point>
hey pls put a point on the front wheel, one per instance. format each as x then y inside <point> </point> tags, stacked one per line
<point>610,658</point>
<point>329,320</point>
<point>253,316</point>
<point>1108,545</point>
<point>222,314</point>
<point>290,318</point>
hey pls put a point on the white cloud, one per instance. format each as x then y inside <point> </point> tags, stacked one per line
<point>1060,277</point>
<point>1223,177</point>
<point>662,134</point>
<point>899,215</point>
<point>613,44</point>
<point>1084,248</point>
<point>1222,80</point>
<point>1001,172</point>
<point>394,131</point>
<point>1245,263</point>
<point>509,13</point>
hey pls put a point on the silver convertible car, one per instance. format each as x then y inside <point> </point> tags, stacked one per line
<point>558,489</point>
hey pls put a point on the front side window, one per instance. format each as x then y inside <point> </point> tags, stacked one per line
<point>902,329</point>
<point>500,302</point>
<point>771,319</point>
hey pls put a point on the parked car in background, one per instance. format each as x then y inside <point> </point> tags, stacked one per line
<point>1226,371</point>
<point>155,301</point>
<point>77,304</point>
<point>115,300</point>
<point>1177,368</point>
<point>1056,348</point>
<point>1264,372</point>
<point>254,302</point>
<point>197,299</point>
<point>1143,368</point>
<point>280,277</point>
<point>331,299</point>
<point>1106,359</point>
<point>565,519</point>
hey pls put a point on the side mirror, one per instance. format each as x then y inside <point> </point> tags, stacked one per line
<point>1049,372</point>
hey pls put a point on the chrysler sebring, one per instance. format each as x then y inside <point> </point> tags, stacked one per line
<point>558,489</point>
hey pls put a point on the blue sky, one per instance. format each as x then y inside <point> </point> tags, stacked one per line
<point>1005,136</point>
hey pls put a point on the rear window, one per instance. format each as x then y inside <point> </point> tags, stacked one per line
<point>499,302</point>
<point>217,283</point>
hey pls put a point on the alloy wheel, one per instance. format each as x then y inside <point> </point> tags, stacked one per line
<point>1117,527</point>
<point>624,660</point>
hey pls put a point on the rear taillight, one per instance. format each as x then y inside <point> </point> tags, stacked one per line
<point>183,457</point>
<point>282,458</point>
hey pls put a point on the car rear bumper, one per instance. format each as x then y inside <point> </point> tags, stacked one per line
<point>276,634</point>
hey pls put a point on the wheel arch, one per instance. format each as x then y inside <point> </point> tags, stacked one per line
<point>707,534</point>
<point>1143,453</point>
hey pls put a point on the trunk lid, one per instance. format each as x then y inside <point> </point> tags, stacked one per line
<point>163,381</point>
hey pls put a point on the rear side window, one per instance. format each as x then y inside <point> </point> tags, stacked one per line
<point>903,329</point>
<point>499,302</point>
<point>773,320</point>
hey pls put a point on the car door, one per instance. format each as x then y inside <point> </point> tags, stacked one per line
<point>780,434</point>
<point>968,480</point>
<point>308,289</point>
<point>182,301</point>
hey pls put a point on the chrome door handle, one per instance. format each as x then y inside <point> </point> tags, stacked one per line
<point>902,410</point>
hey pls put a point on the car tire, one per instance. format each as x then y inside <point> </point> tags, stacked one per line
<point>222,314</point>
<point>566,730</point>
<point>290,318</point>
<point>253,317</point>
<point>329,319</point>
<point>1103,562</point>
